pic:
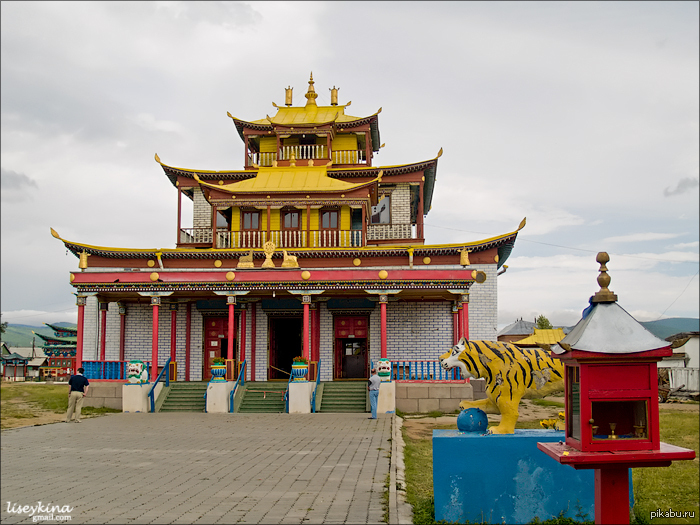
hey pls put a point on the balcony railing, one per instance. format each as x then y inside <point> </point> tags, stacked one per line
<point>286,239</point>
<point>303,152</point>
<point>307,152</point>
<point>356,156</point>
<point>427,371</point>
<point>389,231</point>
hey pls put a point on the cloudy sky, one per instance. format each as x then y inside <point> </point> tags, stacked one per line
<point>580,116</point>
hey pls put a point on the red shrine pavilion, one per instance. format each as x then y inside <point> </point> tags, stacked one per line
<point>310,250</point>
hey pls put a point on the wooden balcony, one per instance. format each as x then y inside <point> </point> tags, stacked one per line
<point>285,239</point>
<point>307,152</point>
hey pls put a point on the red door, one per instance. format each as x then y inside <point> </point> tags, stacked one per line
<point>215,342</point>
<point>351,359</point>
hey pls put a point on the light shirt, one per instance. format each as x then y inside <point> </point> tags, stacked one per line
<point>374,382</point>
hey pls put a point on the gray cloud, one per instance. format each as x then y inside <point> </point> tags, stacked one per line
<point>12,184</point>
<point>683,186</point>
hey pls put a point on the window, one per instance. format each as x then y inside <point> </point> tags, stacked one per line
<point>250,220</point>
<point>329,219</point>
<point>291,219</point>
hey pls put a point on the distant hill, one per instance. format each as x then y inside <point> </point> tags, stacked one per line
<point>674,325</point>
<point>21,335</point>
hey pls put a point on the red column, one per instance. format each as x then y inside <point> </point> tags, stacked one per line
<point>173,333</point>
<point>306,300</point>
<point>122,331</point>
<point>455,325</point>
<point>242,336</point>
<point>465,316</point>
<point>81,321</point>
<point>179,213</point>
<point>612,496</point>
<point>155,302</point>
<point>383,299</point>
<point>460,321</point>
<point>103,330</point>
<point>188,331</point>
<point>231,299</point>
<point>252,341</point>
<point>312,320</point>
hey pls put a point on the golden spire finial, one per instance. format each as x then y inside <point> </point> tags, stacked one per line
<point>603,295</point>
<point>334,95</point>
<point>288,96</point>
<point>311,94</point>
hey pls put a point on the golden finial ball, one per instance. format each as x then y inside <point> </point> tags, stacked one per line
<point>357,262</point>
<point>217,263</point>
<point>383,274</point>
<point>154,276</point>
<point>230,276</point>
<point>305,275</point>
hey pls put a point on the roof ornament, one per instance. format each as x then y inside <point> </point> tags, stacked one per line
<point>334,95</point>
<point>288,96</point>
<point>311,94</point>
<point>604,295</point>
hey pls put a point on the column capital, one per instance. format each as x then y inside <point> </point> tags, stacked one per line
<point>464,298</point>
<point>155,301</point>
<point>122,308</point>
<point>231,299</point>
<point>173,306</point>
<point>306,299</point>
<point>81,300</point>
<point>104,306</point>
<point>383,298</point>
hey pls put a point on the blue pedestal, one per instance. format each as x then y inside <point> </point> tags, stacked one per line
<point>505,479</point>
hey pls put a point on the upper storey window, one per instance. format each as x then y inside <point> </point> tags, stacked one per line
<point>250,220</point>
<point>329,219</point>
<point>291,219</point>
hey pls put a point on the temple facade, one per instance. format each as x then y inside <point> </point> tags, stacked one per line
<point>311,249</point>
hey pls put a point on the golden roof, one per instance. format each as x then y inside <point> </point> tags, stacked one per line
<point>288,179</point>
<point>544,336</point>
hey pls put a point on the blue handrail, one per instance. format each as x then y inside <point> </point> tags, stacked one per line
<point>286,395</point>
<point>240,380</point>
<point>422,371</point>
<point>166,371</point>
<point>318,380</point>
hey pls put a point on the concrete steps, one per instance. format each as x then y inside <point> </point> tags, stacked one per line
<point>265,396</point>
<point>344,396</point>
<point>185,397</point>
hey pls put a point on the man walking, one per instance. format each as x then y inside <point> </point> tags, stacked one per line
<point>373,388</point>
<point>77,390</point>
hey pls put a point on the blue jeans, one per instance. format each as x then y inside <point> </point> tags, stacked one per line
<point>373,396</point>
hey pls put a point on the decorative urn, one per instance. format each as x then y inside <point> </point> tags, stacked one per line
<point>300,367</point>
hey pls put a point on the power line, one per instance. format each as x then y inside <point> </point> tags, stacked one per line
<point>565,247</point>
<point>679,296</point>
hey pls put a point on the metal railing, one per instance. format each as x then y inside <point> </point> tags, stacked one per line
<point>166,371</point>
<point>286,395</point>
<point>239,381</point>
<point>318,380</point>
<point>424,372</point>
<point>109,370</point>
<point>389,231</point>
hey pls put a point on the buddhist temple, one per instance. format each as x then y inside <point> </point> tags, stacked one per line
<point>311,249</point>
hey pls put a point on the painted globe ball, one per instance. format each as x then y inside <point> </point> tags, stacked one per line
<point>472,420</point>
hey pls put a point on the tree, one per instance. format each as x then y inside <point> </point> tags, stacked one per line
<point>543,323</point>
<point>3,327</point>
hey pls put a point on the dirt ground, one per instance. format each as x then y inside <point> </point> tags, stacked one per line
<point>422,427</point>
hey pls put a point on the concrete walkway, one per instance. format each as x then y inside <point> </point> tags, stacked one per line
<point>201,468</point>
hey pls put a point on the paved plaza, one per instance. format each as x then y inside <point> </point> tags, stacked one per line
<point>201,468</point>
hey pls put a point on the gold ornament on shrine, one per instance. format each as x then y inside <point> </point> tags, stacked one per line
<point>464,257</point>
<point>268,248</point>
<point>83,264</point>
<point>246,261</point>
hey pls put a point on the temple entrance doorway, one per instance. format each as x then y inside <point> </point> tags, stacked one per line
<point>351,355</point>
<point>285,344</point>
<point>215,342</point>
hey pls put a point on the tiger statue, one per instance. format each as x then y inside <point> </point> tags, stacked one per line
<point>511,373</point>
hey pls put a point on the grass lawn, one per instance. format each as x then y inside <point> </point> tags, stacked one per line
<point>28,400</point>
<point>674,487</point>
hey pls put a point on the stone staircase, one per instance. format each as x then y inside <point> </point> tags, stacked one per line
<point>344,396</point>
<point>184,397</point>
<point>265,396</point>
